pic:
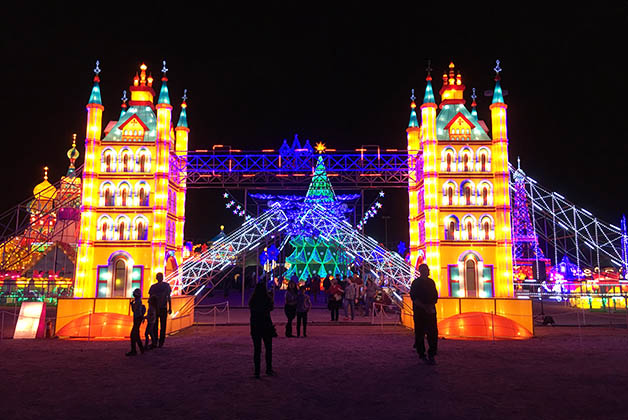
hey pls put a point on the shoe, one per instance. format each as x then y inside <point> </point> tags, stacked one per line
<point>131,353</point>
<point>271,373</point>
<point>431,361</point>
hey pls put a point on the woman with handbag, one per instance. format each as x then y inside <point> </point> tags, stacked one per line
<point>335,299</point>
<point>262,328</point>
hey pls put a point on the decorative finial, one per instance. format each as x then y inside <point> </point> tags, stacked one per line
<point>164,69</point>
<point>74,140</point>
<point>45,173</point>
<point>429,68</point>
<point>320,147</point>
<point>97,68</point>
<point>124,98</point>
<point>518,163</point>
<point>497,68</point>
<point>473,95</point>
<point>185,95</point>
<point>412,97</point>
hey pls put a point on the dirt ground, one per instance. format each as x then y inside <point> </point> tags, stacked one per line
<point>343,372</point>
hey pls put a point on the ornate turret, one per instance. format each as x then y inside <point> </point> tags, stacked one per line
<point>498,108</point>
<point>45,191</point>
<point>453,89</point>
<point>142,92</point>
<point>182,131</point>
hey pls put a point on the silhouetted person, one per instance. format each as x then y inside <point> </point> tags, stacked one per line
<point>138,311</point>
<point>315,288</point>
<point>290,305</point>
<point>151,323</point>
<point>262,328</point>
<point>164,305</point>
<point>303,306</point>
<point>424,297</point>
<point>326,286</point>
<point>334,299</point>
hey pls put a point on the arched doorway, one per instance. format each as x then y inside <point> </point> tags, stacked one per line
<point>471,277</point>
<point>171,265</point>
<point>120,276</point>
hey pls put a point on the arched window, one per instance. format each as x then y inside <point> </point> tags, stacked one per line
<point>483,162</point>
<point>143,196</point>
<point>485,195</point>
<point>451,230</point>
<point>103,230</point>
<point>142,162</point>
<point>469,230</point>
<point>449,158</point>
<point>121,228</point>
<point>465,162</point>
<point>141,230</point>
<point>487,230</point>
<point>109,198</point>
<point>467,195</point>
<point>450,195</point>
<point>124,195</point>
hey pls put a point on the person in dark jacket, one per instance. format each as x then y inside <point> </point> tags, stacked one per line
<point>424,297</point>
<point>326,286</point>
<point>138,310</point>
<point>303,307</point>
<point>290,305</point>
<point>262,329</point>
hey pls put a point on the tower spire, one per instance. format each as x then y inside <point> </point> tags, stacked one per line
<point>94,97</point>
<point>164,97</point>
<point>414,121</point>
<point>498,96</point>
<point>183,118</point>
<point>72,154</point>
<point>474,111</point>
<point>123,106</point>
<point>428,98</point>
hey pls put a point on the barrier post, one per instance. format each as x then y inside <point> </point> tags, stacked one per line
<point>493,325</point>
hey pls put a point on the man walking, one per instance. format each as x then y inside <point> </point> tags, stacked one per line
<point>424,297</point>
<point>162,292</point>
<point>349,298</point>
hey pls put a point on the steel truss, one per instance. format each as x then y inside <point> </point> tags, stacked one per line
<point>568,230</point>
<point>18,230</point>
<point>196,274</point>
<point>271,170</point>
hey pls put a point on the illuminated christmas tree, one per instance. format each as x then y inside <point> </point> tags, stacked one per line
<point>313,255</point>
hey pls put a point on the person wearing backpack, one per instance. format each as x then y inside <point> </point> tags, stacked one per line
<point>304,304</point>
<point>138,310</point>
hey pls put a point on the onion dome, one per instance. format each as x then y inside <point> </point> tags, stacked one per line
<point>45,190</point>
<point>183,117</point>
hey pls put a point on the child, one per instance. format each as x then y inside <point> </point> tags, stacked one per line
<point>303,306</point>
<point>151,326</point>
<point>138,317</point>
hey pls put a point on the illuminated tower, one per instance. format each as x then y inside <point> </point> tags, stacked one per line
<point>132,208</point>
<point>461,205</point>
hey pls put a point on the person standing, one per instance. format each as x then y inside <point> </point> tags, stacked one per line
<point>151,323</point>
<point>369,296</point>
<point>316,287</point>
<point>262,329</point>
<point>349,298</point>
<point>326,286</point>
<point>334,299</point>
<point>424,297</point>
<point>290,305</point>
<point>303,307</point>
<point>138,317</point>
<point>161,291</point>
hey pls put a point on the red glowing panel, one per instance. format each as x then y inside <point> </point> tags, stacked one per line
<point>100,325</point>
<point>479,325</point>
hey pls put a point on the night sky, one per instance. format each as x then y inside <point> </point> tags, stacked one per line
<point>257,75</point>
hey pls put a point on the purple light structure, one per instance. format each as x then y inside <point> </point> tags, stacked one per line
<point>525,241</point>
<point>526,250</point>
